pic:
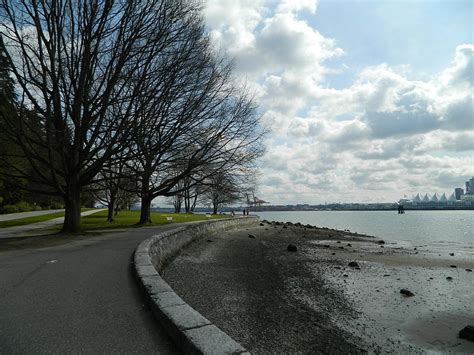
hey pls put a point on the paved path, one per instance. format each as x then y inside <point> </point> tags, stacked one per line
<point>20,231</point>
<point>75,298</point>
<point>10,216</point>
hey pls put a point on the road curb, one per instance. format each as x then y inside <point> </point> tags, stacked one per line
<point>191,332</point>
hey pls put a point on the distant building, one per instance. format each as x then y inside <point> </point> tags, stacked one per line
<point>470,186</point>
<point>458,192</point>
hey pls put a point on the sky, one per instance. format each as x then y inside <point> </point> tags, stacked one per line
<point>365,101</point>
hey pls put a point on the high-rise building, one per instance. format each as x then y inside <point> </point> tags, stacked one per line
<point>458,192</point>
<point>470,186</point>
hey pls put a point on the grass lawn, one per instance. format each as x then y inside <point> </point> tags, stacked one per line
<point>130,219</point>
<point>34,219</point>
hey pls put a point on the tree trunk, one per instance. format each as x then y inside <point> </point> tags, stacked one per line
<point>146,200</point>
<point>72,216</point>
<point>215,205</point>
<point>187,203</point>
<point>193,204</point>
<point>145,210</point>
<point>111,207</point>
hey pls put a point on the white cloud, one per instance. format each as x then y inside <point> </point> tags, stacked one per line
<point>384,135</point>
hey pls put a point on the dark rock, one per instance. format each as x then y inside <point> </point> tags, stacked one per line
<point>406,292</point>
<point>449,278</point>
<point>326,246</point>
<point>261,224</point>
<point>381,246</point>
<point>278,223</point>
<point>349,245</point>
<point>357,268</point>
<point>452,254</point>
<point>284,227</point>
<point>469,270</point>
<point>333,253</point>
<point>386,275</point>
<point>338,242</point>
<point>252,236</point>
<point>292,248</point>
<point>381,242</point>
<point>266,229</point>
<point>467,333</point>
<point>353,264</point>
<point>414,249</point>
<point>341,247</point>
<point>209,241</point>
<point>345,275</point>
<point>453,266</point>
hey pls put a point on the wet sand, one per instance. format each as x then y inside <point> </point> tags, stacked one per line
<point>311,301</point>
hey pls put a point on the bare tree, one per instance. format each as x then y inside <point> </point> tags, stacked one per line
<point>114,186</point>
<point>80,66</point>
<point>195,119</point>
<point>222,189</point>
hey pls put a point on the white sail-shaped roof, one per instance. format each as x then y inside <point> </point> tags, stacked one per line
<point>443,198</point>
<point>434,198</point>
<point>426,198</point>
<point>417,198</point>
<point>452,198</point>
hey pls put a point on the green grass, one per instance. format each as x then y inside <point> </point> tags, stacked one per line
<point>131,218</point>
<point>34,219</point>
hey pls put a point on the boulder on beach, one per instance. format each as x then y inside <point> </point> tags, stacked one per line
<point>381,242</point>
<point>252,236</point>
<point>406,292</point>
<point>467,333</point>
<point>292,248</point>
<point>353,264</point>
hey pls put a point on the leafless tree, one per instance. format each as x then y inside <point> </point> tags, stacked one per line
<point>81,68</point>
<point>114,186</point>
<point>195,119</point>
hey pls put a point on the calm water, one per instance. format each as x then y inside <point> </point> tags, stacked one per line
<point>432,228</point>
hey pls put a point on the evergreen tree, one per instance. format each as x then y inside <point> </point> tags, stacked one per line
<point>7,84</point>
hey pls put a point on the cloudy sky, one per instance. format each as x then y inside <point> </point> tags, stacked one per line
<point>365,100</point>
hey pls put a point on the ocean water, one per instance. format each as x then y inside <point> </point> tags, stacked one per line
<point>415,228</point>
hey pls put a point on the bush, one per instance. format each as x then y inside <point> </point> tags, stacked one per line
<point>24,206</point>
<point>38,208</point>
<point>10,209</point>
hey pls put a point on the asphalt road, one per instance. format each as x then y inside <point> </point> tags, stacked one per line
<point>79,297</point>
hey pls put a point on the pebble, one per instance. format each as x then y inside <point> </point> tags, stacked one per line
<point>467,333</point>
<point>406,292</point>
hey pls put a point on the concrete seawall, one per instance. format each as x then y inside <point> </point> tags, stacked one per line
<point>191,331</point>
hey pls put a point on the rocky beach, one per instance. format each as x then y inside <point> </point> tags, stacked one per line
<point>293,288</point>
